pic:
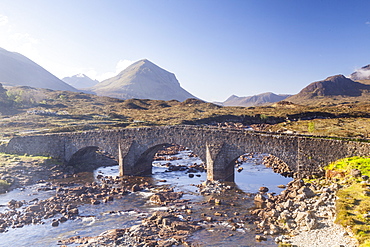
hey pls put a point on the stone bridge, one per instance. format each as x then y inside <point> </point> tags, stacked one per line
<point>134,148</point>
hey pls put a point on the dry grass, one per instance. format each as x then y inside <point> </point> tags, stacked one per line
<point>338,127</point>
<point>59,111</point>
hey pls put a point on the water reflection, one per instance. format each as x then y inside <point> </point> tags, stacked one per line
<point>253,176</point>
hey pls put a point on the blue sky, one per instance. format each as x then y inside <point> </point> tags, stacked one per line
<point>216,48</point>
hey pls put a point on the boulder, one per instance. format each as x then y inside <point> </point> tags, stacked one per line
<point>135,188</point>
<point>261,238</point>
<point>356,173</point>
<point>306,192</point>
<point>34,208</point>
<point>259,198</point>
<point>263,189</point>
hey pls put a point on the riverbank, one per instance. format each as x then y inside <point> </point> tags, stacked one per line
<point>18,171</point>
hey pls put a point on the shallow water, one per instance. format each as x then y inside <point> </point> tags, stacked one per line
<point>95,219</point>
<point>255,175</point>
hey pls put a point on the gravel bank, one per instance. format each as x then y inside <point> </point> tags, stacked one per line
<point>330,235</point>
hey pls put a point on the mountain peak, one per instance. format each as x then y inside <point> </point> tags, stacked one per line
<point>337,85</point>
<point>80,81</point>
<point>333,85</point>
<point>18,70</point>
<point>143,80</point>
<point>336,78</point>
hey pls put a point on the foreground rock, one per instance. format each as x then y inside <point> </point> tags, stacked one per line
<point>305,211</point>
<point>159,229</point>
<point>64,205</point>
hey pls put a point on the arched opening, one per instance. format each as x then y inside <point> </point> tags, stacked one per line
<point>254,171</point>
<point>89,158</point>
<point>180,168</point>
<point>142,161</point>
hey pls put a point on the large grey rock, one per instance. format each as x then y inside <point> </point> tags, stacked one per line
<point>306,192</point>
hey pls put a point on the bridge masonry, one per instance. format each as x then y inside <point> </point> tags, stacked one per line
<point>217,147</point>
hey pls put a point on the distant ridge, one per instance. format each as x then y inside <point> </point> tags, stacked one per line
<point>255,100</point>
<point>329,89</point>
<point>18,70</point>
<point>80,81</point>
<point>143,80</point>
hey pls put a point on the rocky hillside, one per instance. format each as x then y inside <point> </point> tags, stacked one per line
<point>334,88</point>
<point>17,69</point>
<point>255,100</point>
<point>143,80</point>
<point>80,81</point>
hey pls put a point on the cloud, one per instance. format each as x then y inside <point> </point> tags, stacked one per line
<point>3,20</point>
<point>12,40</point>
<point>367,23</point>
<point>362,74</point>
<point>121,65</point>
<point>95,75</point>
<point>24,38</point>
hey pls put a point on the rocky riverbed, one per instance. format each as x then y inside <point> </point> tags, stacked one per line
<point>301,215</point>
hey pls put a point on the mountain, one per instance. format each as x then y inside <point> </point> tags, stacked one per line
<point>143,80</point>
<point>255,100</point>
<point>332,88</point>
<point>361,74</point>
<point>80,81</point>
<point>18,70</point>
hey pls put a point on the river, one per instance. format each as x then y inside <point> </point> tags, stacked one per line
<point>131,208</point>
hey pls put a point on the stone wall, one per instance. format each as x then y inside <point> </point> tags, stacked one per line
<point>217,147</point>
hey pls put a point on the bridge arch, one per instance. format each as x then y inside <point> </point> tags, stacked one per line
<point>90,158</point>
<point>139,158</point>
<point>221,157</point>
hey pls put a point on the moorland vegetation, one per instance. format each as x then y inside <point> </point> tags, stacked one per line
<point>27,110</point>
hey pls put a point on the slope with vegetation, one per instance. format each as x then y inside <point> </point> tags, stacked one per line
<point>353,203</point>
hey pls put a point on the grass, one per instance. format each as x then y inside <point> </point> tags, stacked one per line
<point>348,164</point>
<point>5,157</point>
<point>10,161</point>
<point>355,127</point>
<point>353,203</point>
<point>4,185</point>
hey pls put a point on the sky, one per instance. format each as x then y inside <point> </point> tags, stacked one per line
<point>216,48</point>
